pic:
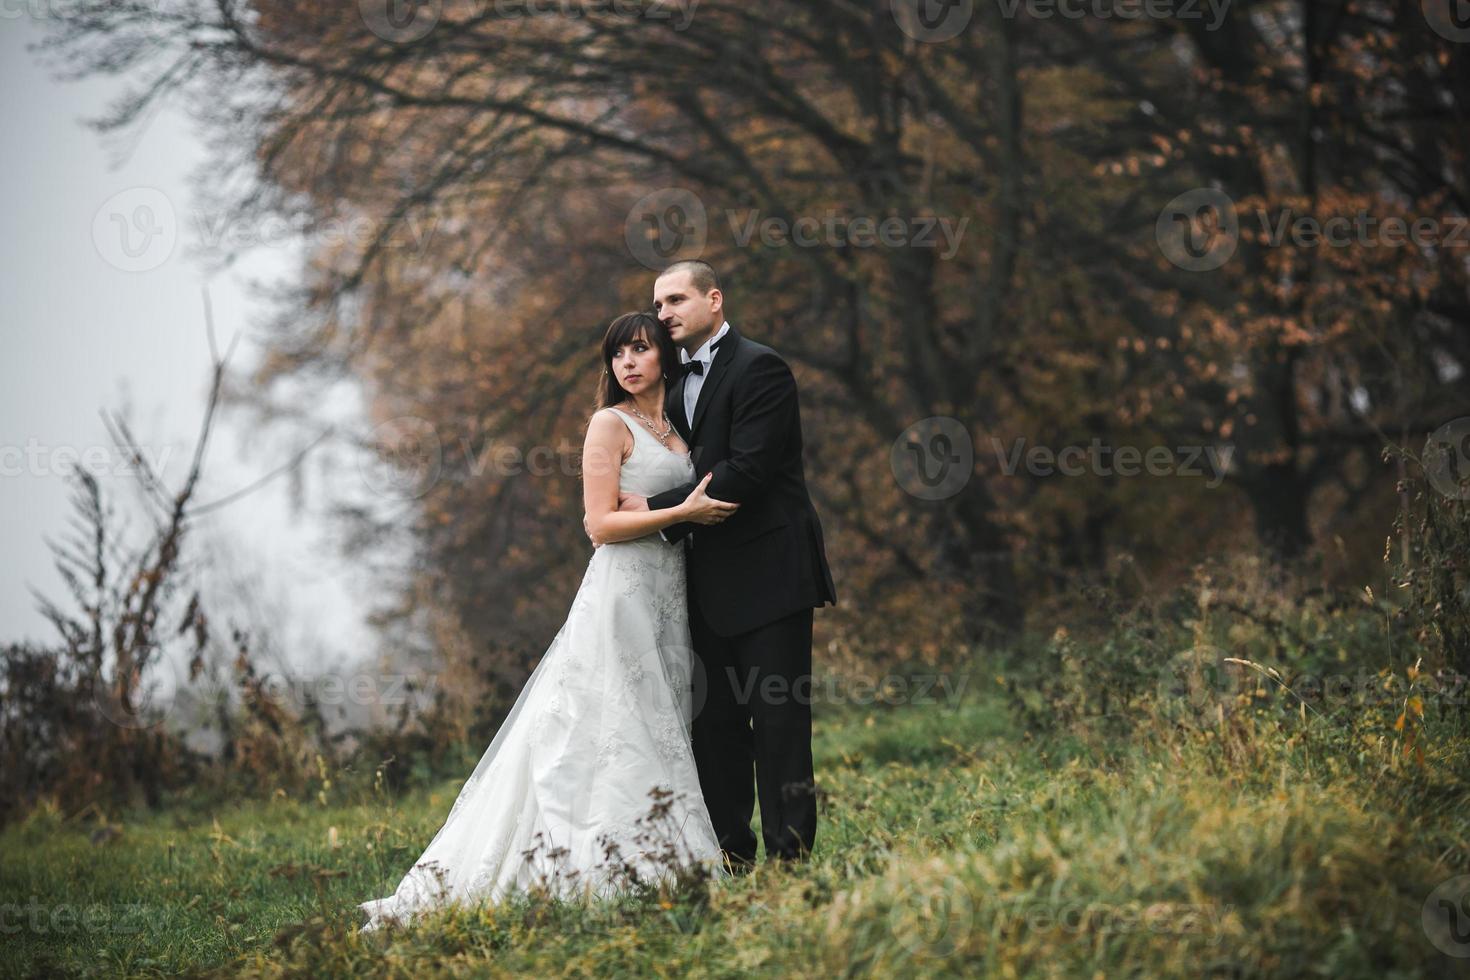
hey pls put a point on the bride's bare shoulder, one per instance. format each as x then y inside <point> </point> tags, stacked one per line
<point>606,420</point>
<point>606,431</point>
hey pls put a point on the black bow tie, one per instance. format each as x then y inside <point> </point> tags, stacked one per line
<point>697,367</point>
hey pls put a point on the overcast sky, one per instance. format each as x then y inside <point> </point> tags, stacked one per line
<point>95,315</point>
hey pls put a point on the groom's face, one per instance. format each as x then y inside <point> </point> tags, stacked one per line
<point>690,316</point>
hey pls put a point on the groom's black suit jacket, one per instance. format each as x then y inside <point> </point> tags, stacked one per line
<point>768,560</point>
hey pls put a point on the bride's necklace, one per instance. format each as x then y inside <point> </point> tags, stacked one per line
<point>662,437</point>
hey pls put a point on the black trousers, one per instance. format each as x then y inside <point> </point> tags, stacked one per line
<point>755,711</point>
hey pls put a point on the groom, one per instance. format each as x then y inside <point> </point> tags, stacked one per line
<point>754,579</point>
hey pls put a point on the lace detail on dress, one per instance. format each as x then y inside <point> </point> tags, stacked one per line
<point>638,571</point>
<point>667,606</point>
<point>672,738</point>
<point>608,749</point>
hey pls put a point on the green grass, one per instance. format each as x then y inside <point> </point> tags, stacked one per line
<point>950,844</point>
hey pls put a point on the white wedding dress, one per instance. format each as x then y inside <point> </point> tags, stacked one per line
<point>561,798</point>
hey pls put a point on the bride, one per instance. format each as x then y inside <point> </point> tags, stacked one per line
<point>590,780</point>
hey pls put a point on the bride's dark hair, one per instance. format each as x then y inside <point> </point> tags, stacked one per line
<point>624,330</point>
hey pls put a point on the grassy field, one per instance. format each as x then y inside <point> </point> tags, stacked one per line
<point>950,843</point>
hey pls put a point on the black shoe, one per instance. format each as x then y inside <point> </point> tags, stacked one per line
<point>791,861</point>
<point>738,864</point>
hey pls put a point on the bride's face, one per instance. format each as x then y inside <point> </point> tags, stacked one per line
<point>636,365</point>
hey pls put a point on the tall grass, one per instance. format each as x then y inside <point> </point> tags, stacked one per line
<point>1244,776</point>
<point>952,842</point>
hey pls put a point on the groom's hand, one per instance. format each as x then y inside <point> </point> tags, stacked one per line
<point>631,501</point>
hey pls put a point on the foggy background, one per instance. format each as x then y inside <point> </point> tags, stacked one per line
<point>81,335</point>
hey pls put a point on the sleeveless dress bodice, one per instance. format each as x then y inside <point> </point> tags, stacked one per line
<point>652,468</point>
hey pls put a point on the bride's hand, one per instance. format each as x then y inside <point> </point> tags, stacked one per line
<point>704,509</point>
<point>596,541</point>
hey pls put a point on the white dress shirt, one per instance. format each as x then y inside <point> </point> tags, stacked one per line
<point>694,382</point>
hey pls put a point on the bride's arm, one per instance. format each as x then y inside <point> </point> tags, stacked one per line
<point>602,463</point>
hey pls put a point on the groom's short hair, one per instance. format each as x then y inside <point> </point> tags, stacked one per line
<point>701,274</point>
